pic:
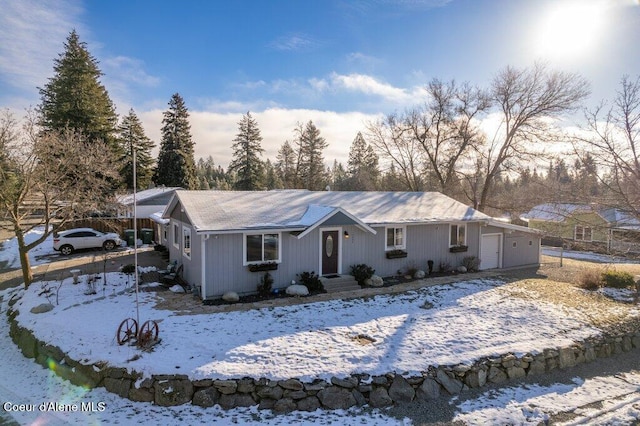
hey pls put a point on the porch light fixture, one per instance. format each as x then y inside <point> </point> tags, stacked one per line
<point>346,234</point>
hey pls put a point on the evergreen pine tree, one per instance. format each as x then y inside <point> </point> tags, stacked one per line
<point>286,166</point>
<point>311,164</point>
<point>246,161</point>
<point>74,97</point>
<point>176,165</point>
<point>131,137</point>
<point>362,166</point>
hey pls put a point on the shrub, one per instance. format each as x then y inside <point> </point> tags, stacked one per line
<point>264,288</point>
<point>312,281</point>
<point>129,269</point>
<point>472,263</point>
<point>430,266</point>
<point>617,279</point>
<point>362,272</point>
<point>411,268</point>
<point>444,266</point>
<point>590,279</point>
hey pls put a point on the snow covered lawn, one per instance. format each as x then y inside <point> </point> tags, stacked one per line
<point>405,333</point>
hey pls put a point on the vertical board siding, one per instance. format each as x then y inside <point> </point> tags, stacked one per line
<point>522,253</point>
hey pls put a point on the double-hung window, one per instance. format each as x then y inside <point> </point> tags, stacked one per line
<point>583,233</point>
<point>457,235</point>
<point>396,238</point>
<point>261,248</point>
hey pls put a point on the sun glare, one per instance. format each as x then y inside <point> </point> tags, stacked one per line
<point>570,29</point>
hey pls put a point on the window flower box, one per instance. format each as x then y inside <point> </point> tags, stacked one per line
<point>260,267</point>
<point>458,249</point>
<point>396,254</point>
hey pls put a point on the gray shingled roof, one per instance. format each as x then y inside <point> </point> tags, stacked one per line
<point>241,210</point>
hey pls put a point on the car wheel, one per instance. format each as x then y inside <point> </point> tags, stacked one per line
<point>66,250</point>
<point>109,245</point>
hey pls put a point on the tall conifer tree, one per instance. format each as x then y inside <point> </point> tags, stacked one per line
<point>246,161</point>
<point>74,98</point>
<point>176,164</point>
<point>131,137</point>
<point>311,159</point>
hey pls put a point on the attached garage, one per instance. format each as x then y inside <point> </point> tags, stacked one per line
<point>491,251</point>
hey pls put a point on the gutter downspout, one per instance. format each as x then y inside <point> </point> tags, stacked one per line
<point>203,266</point>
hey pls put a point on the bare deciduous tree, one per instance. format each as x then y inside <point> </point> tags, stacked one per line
<point>528,101</point>
<point>48,178</point>
<point>612,142</point>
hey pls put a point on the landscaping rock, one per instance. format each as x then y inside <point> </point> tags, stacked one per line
<point>452,386</point>
<point>348,383</point>
<point>297,290</point>
<point>141,395</point>
<point>226,387</point>
<point>566,358</point>
<point>496,375</point>
<point>419,274</point>
<point>120,387</point>
<point>476,378</point>
<point>379,398</point>
<point>461,269</point>
<point>246,385</point>
<point>336,398</point>
<point>400,390</point>
<point>170,392</point>
<point>310,403</point>
<point>285,405</point>
<point>269,392</point>
<point>41,309</point>
<point>231,296</point>
<point>206,397</point>
<point>374,281</point>
<point>291,384</point>
<point>236,400</point>
<point>430,389</point>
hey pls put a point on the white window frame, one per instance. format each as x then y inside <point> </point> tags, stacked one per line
<point>395,246</point>
<point>187,243</point>
<point>583,228</point>
<point>244,247</point>
<point>176,237</point>
<point>458,225</point>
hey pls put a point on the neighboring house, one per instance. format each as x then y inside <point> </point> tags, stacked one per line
<point>148,202</point>
<point>223,238</point>
<point>587,225</point>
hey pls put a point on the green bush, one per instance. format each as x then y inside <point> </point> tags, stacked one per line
<point>590,279</point>
<point>362,272</point>
<point>264,288</point>
<point>312,282</point>
<point>472,263</point>
<point>617,279</point>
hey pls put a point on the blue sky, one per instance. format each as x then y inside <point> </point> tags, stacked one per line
<point>339,63</point>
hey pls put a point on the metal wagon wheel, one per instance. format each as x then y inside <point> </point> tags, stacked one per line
<point>148,333</point>
<point>128,330</point>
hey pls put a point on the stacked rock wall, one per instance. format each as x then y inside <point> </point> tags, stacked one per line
<point>337,393</point>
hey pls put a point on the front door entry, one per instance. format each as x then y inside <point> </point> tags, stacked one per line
<point>330,252</point>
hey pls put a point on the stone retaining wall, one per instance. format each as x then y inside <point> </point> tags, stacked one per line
<point>292,394</point>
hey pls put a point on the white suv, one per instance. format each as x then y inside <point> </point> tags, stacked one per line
<point>66,242</point>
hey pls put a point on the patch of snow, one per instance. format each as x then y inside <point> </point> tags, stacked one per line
<point>586,255</point>
<point>9,249</point>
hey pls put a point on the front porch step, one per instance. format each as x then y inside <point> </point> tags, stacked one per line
<point>340,283</point>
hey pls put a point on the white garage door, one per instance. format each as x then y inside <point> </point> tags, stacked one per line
<point>490,252</point>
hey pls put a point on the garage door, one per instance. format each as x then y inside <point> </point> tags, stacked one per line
<point>490,252</point>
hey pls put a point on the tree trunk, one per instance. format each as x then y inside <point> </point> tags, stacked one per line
<point>27,274</point>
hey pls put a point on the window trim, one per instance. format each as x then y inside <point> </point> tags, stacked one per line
<point>402,246</point>
<point>262,234</point>
<point>186,235</point>
<point>176,237</point>
<point>583,229</point>
<point>458,225</point>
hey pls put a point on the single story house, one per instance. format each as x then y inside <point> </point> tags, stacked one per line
<point>222,238</point>
<point>587,225</point>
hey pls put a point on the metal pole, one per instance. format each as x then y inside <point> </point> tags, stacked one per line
<point>135,234</point>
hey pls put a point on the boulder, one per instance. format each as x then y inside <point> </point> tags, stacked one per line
<point>236,400</point>
<point>291,384</point>
<point>349,382</point>
<point>285,405</point>
<point>430,389</point>
<point>120,387</point>
<point>226,387</point>
<point>419,274</point>
<point>400,390</point>
<point>462,269</point>
<point>231,296</point>
<point>336,398</point>
<point>42,308</point>
<point>496,375</point>
<point>172,392</point>
<point>207,397</point>
<point>566,358</point>
<point>177,288</point>
<point>476,378</point>
<point>374,281</point>
<point>297,290</point>
<point>452,386</point>
<point>379,397</point>
<point>309,403</point>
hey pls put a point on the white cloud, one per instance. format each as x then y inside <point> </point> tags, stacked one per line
<point>32,33</point>
<point>371,86</point>
<point>293,42</point>
<point>213,132</point>
<point>130,70</point>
